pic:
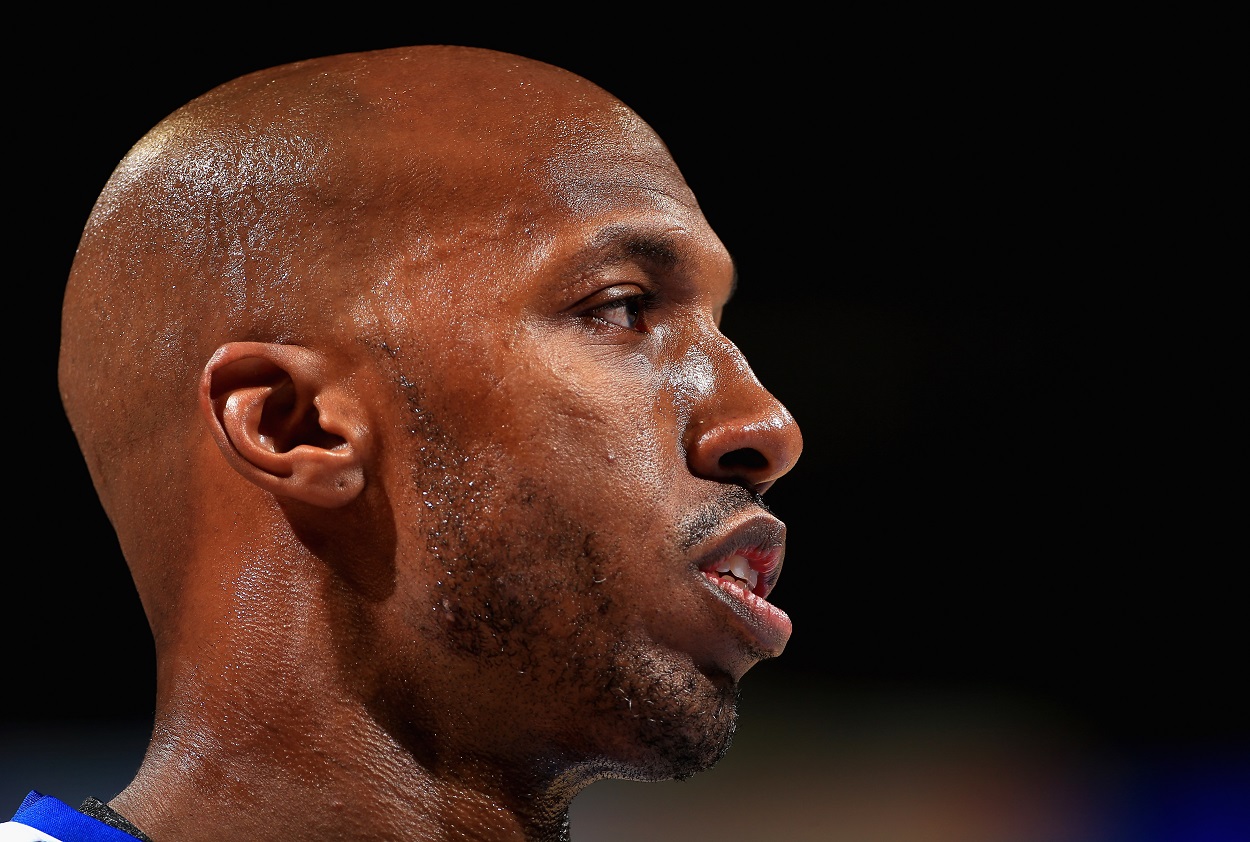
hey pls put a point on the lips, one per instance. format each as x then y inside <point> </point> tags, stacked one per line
<point>741,569</point>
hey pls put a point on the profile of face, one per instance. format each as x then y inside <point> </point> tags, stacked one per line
<point>586,459</point>
<point>552,552</point>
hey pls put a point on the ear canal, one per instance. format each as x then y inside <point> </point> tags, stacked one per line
<point>264,403</point>
<point>290,418</point>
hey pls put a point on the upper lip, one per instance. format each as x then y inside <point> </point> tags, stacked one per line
<point>761,540</point>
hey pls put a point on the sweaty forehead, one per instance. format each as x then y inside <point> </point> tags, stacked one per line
<point>478,172</point>
<point>578,154</point>
<point>611,195</point>
<point>540,170</point>
<point>614,158</point>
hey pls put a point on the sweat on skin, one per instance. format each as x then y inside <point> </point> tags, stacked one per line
<point>440,485</point>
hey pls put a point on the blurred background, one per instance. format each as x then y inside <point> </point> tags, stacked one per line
<point>975,260</point>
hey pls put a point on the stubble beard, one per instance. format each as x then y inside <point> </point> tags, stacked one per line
<point>528,597</point>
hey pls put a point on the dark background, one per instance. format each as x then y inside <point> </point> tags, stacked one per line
<point>974,259</point>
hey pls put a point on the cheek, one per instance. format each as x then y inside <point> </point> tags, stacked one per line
<point>566,444</point>
<point>598,417</point>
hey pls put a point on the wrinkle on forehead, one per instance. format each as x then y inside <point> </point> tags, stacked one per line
<point>617,157</point>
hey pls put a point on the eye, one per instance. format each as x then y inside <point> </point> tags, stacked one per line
<point>625,306</point>
<point>624,312</point>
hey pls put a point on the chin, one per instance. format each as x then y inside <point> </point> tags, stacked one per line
<point>677,726</point>
<point>668,756</point>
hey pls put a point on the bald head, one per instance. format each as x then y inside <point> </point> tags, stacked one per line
<point>401,379</point>
<point>293,205</point>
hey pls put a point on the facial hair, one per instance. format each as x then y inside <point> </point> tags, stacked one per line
<point>524,590</point>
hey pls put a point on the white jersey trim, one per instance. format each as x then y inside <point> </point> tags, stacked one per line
<point>18,832</point>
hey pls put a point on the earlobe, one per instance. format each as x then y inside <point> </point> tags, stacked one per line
<point>283,424</point>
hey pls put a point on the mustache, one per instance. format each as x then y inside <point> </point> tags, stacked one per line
<point>699,526</point>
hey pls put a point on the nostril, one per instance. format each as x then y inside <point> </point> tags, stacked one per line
<point>744,458</point>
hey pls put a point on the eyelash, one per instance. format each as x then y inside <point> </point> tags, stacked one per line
<point>637,306</point>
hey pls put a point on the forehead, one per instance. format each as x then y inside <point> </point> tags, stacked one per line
<point>614,196</point>
<point>530,198</point>
<point>594,163</point>
<point>587,195</point>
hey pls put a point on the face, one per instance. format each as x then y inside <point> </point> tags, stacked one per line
<point>581,455</point>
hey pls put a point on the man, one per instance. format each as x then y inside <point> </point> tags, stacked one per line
<point>400,379</point>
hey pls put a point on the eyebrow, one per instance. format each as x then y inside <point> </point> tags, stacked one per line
<point>618,243</point>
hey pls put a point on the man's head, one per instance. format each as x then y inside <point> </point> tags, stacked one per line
<point>399,375</point>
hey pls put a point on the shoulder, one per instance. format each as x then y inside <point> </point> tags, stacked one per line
<point>42,818</point>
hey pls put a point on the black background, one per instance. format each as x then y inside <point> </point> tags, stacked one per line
<point>974,259</point>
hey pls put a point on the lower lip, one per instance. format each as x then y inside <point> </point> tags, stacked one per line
<point>768,624</point>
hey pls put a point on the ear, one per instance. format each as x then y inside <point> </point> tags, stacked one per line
<point>283,424</point>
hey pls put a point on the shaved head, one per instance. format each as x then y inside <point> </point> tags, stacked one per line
<point>399,375</point>
<point>303,204</point>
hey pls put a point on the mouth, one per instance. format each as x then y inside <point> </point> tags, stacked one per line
<point>752,570</point>
<point>741,570</point>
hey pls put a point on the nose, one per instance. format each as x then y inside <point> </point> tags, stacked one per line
<point>738,432</point>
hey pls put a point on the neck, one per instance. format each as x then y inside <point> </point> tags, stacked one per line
<point>333,777</point>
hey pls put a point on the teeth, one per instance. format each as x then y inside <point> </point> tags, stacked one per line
<point>739,568</point>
